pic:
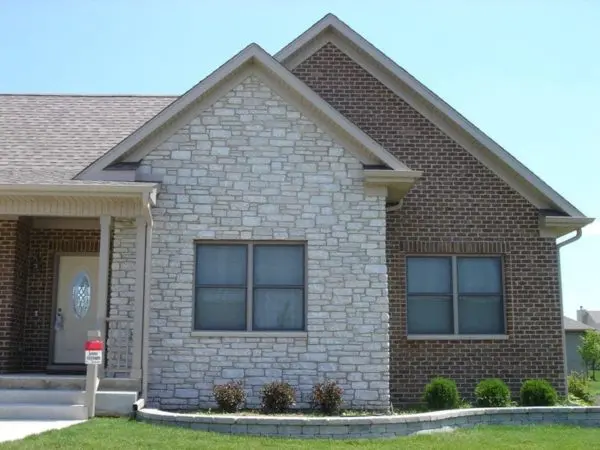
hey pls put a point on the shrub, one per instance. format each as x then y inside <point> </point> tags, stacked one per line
<point>538,393</point>
<point>327,397</point>
<point>579,386</point>
<point>492,392</point>
<point>277,397</point>
<point>231,396</point>
<point>441,393</point>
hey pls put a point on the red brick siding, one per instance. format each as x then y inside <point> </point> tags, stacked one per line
<point>459,206</point>
<point>45,245</point>
<point>14,241</point>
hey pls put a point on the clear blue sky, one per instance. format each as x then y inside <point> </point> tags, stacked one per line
<point>526,72</point>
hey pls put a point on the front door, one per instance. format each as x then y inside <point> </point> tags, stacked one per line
<point>75,313</point>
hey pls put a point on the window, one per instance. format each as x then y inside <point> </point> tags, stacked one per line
<point>455,295</point>
<point>249,287</point>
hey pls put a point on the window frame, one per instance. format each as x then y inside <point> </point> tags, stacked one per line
<point>249,286</point>
<point>455,299</point>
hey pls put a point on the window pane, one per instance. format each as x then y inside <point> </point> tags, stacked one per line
<point>220,309</point>
<point>429,275</point>
<point>278,309</point>
<point>480,315</point>
<point>479,275</point>
<point>221,264</point>
<point>279,265</point>
<point>430,315</point>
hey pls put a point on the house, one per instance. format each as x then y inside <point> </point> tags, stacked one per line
<point>591,318</point>
<point>574,331</point>
<point>316,214</point>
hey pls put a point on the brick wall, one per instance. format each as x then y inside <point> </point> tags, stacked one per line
<point>45,244</point>
<point>14,238</point>
<point>459,206</point>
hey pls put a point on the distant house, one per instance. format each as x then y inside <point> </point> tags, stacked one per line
<point>591,318</point>
<point>574,330</point>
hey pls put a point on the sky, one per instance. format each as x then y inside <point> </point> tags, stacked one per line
<point>525,72</point>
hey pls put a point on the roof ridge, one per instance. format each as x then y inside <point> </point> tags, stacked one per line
<point>9,94</point>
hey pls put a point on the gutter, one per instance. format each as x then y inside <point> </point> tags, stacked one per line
<point>578,234</point>
<point>89,189</point>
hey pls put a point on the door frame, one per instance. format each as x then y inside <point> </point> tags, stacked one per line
<point>60,367</point>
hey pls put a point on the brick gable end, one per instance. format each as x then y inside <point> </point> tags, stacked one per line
<point>461,207</point>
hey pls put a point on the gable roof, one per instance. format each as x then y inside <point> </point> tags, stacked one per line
<point>331,29</point>
<point>224,78</point>
<point>575,325</point>
<point>51,138</point>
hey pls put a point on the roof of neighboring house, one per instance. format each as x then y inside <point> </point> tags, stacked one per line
<point>51,138</point>
<point>575,325</point>
<point>594,315</point>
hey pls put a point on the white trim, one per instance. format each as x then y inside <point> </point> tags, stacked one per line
<point>251,334</point>
<point>457,337</point>
<point>140,283</point>
<point>557,226</point>
<point>254,56</point>
<point>502,163</point>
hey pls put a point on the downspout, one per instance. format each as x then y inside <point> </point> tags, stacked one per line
<point>560,245</point>
<point>396,207</point>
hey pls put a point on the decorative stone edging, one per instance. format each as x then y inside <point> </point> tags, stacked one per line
<point>374,426</point>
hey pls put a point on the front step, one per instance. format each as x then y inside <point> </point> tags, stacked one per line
<point>42,396</point>
<point>36,411</point>
<point>42,404</point>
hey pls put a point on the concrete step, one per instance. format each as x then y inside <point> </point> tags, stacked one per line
<point>33,411</point>
<point>35,381</point>
<point>42,396</point>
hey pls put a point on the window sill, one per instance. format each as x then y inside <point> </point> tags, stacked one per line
<point>457,337</point>
<point>251,334</point>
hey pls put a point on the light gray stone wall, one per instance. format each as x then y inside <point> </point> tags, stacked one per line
<point>122,299</point>
<point>376,426</point>
<point>252,167</point>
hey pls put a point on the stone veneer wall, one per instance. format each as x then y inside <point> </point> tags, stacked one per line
<point>121,306</point>
<point>376,426</point>
<point>252,167</point>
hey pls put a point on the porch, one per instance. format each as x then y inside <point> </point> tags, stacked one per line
<point>72,261</point>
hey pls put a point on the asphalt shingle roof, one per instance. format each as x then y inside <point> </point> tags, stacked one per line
<point>51,138</point>
<point>575,325</point>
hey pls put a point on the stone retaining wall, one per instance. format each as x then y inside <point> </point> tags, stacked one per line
<point>374,426</point>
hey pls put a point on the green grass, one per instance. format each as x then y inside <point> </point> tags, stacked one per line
<point>121,434</point>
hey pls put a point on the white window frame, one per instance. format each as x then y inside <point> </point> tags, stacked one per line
<point>249,331</point>
<point>455,295</point>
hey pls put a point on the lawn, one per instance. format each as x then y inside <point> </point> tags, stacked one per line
<point>123,435</point>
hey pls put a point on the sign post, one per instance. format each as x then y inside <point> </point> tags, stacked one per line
<point>94,349</point>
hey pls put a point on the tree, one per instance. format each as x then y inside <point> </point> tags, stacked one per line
<point>589,350</point>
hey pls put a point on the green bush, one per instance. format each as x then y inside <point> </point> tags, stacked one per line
<point>492,393</point>
<point>538,393</point>
<point>277,397</point>
<point>230,397</point>
<point>441,393</point>
<point>579,386</point>
<point>327,397</point>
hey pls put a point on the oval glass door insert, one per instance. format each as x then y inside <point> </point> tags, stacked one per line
<point>81,294</point>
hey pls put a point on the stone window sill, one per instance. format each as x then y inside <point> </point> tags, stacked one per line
<point>251,334</point>
<point>457,337</point>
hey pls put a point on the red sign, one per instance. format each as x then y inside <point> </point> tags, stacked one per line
<point>94,345</point>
